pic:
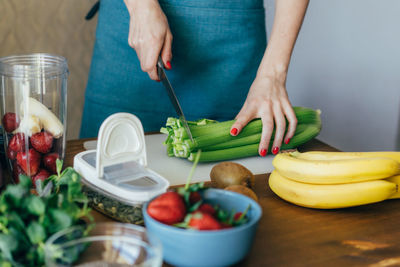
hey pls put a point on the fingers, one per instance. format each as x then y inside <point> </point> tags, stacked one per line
<point>280,127</point>
<point>166,52</point>
<point>149,57</point>
<point>292,119</point>
<point>273,116</point>
<point>150,36</point>
<point>267,129</point>
<point>242,119</point>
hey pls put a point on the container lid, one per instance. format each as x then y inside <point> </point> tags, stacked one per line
<point>119,166</point>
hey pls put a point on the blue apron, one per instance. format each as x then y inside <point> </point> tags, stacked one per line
<point>217,48</point>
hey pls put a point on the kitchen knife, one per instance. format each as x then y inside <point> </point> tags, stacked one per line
<point>171,93</point>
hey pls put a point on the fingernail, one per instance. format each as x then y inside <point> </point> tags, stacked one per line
<point>287,141</point>
<point>234,131</point>
<point>168,65</point>
<point>158,81</point>
<point>263,153</point>
<point>275,150</point>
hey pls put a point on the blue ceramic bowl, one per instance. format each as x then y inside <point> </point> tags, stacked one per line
<point>183,247</point>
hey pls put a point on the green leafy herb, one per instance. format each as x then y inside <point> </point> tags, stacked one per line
<point>27,220</point>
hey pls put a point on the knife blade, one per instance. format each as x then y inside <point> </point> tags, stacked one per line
<point>172,96</point>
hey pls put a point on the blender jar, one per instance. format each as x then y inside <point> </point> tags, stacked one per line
<point>33,113</point>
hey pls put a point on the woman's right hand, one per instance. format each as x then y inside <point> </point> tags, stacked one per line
<point>149,35</point>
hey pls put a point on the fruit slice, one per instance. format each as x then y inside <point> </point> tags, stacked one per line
<point>203,221</point>
<point>49,162</point>
<point>29,161</point>
<point>29,125</point>
<point>42,142</point>
<point>207,208</point>
<point>331,196</point>
<point>16,144</point>
<point>17,170</point>
<point>10,122</point>
<point>49,121</point>
<point>41,175</point>
<point>168,208</point>
<point>334,171</point>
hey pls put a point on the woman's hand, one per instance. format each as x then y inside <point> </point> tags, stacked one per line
<point>149,35</point>
<point>268,100</point>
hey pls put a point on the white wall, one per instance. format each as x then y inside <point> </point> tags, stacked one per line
<point>347,63</point>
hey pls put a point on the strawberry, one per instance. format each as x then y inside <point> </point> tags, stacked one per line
<point>203,221</point>
<point>17,170</point>
<point>43,174</point>
<point>194,197</point>
<point>10,122</point>
<point>168,208</point>
<point>225,225</point>
<point>42,142</point>
<point>49,161</point>
<point>237,216</point>
<point>16,144</point>
<point>207,208</point>
<point>33,157</point>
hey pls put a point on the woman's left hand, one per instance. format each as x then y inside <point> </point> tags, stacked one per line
<point>267,99</point>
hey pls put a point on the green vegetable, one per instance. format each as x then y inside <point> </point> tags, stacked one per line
<point>217,144</point>
<point>27,220</point>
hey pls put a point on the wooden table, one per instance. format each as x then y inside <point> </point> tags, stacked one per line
<point>289,235</point>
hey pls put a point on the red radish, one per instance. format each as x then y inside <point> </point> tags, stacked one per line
<point>203,221</point>
<point>168,208</point>
<point>16,144</point>
<point>42,142</point>
<point>33,157</point>
<point>207,208</point>
<point>194,197</point>
<point>10,122</point>
<point>17,170</point>
<point>41,175</point>
<point>49,161</point>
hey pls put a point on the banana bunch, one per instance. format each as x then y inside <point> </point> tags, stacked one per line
<point>331,180</point>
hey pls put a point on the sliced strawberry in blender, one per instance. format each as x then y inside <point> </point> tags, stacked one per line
<point>10,122</point>
<point>49,161</point>
<point>32,157</point>
<point>16,144</point>
<point>17,170</point>
<point>42,142</point>
<point>43,174</point>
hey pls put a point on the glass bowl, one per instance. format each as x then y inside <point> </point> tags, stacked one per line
<point>103,244</point>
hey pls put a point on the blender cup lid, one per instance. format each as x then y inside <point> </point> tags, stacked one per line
<point>118,167</point>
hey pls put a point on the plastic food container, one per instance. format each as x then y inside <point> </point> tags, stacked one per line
<point>115,174</point>
<point>33,112</point>
<point>107,244</point>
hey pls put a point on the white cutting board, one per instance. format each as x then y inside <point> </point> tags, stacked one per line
<point>176,170</point>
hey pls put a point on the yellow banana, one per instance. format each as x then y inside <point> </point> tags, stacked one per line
<point>323,155</point>
<point>395,179</point>
<point>331,196</point>
<point>343,171</point>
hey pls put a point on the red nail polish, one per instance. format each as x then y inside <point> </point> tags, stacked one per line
<point>263,153</point>
<point>275,150</point>
<point>234,131</point>
<point>168,65</point>
<point>287,141</point>
<point>158,81</point>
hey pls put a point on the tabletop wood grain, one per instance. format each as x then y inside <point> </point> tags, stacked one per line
<point>289,235</point>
